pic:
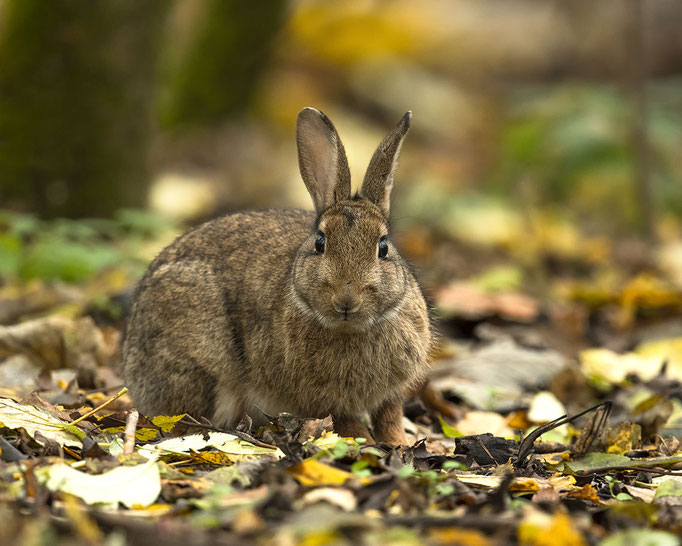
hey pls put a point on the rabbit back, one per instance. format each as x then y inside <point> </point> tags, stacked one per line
<point>202,301</point>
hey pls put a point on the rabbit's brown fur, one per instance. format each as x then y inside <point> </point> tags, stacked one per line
<point>245,315</point>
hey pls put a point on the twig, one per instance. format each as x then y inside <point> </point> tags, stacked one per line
<point>527,443</point>
<point>484,448</point>
<point>591,431</point>
<point>72,453</point>
<point>251,439</point>
<point>105,404</point>
<point>178,463</point>
<point>238,433</point>
<point>131,427</point>
<point>197,424</point>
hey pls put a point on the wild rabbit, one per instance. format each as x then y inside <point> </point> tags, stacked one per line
<point>313,313</point>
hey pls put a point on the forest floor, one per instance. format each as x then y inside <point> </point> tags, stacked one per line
<point>553,415</point>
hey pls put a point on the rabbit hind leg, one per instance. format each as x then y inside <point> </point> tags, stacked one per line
<point>387,423</point>
<point>351,426</point>
<point>174,354</point>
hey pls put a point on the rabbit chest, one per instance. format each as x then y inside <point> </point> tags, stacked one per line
<point>318,371</point>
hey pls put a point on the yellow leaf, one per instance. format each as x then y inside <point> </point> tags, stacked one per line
<point>480,422</point>
<point>612,367</point>
<point>311,473</point>
<point>448,430</point>
<point>114,430</point>
<point>518,420</point>
<point>215,458</point>
<point>646,405</point>
<point>668,349</point>
<point>586,492</point>
<point>166,422</point>
<point>646,292</point>
<point>545,530</point>
<point>561,482</point>
<point>524,486</point>
<point>320,538</point>
<point>145,434</point>
<point>81,521</point>
<point>463,537</point>
<point>623,438</point>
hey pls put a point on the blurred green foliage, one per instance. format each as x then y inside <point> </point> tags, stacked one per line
<point>571,146</point>
<point>75,250</point>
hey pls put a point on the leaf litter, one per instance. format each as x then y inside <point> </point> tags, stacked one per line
<point>530,431</point>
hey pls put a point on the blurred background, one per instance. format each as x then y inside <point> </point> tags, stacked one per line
<point>543,164</point>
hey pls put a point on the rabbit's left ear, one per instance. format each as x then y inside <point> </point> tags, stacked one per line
<point>378,182</point>
<point>321,159</point>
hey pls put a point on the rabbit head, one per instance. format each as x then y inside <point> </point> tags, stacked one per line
<point>347,274</point>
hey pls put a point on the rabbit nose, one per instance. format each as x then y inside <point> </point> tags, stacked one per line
<point>346,303</point>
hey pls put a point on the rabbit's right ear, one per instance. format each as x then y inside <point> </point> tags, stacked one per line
<point>321,159</point>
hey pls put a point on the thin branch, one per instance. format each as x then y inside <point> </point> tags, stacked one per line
<point>104,405</point>
<point>131,427</point>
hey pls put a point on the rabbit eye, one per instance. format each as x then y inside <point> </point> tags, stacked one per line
<point>383,247</point>
<point>319,243</point>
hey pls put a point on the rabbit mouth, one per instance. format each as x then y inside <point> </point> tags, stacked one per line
<point>350,324</point>
<point>343,320</point>
<point>346,319</point>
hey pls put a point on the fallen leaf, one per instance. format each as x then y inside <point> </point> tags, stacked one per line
<point>480,422</point>
<point>645,361</point>
<point>595,460</point>
<point>545,407</point>
<point>539,529</point>
<point>623,438</point>
<point>498,374</point>
<point>448,430</point>
<point>527,485</point>
<point>142,434</point>
<point>459,536</point>
<point>343,498</point>
<point>311,472</point>
<point>137,485</point>
<point>586,492</point>
<point>464,299</point>
<point>214,458</point>
<point>646,292</point>
<point>233,446</point>
<point>669,491</point>
<point>642,493</point>
<point>55,342</point>
<point>167,423</point>
<point>32,419</point>
<point>643,537</point>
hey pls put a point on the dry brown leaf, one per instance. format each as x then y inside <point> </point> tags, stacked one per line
<point>463,299</point>
<point>480,422</point>
<point>55,342</point>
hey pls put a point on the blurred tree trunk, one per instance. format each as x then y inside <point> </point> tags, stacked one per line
<point>76,91</point>
<point>217,74</point>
